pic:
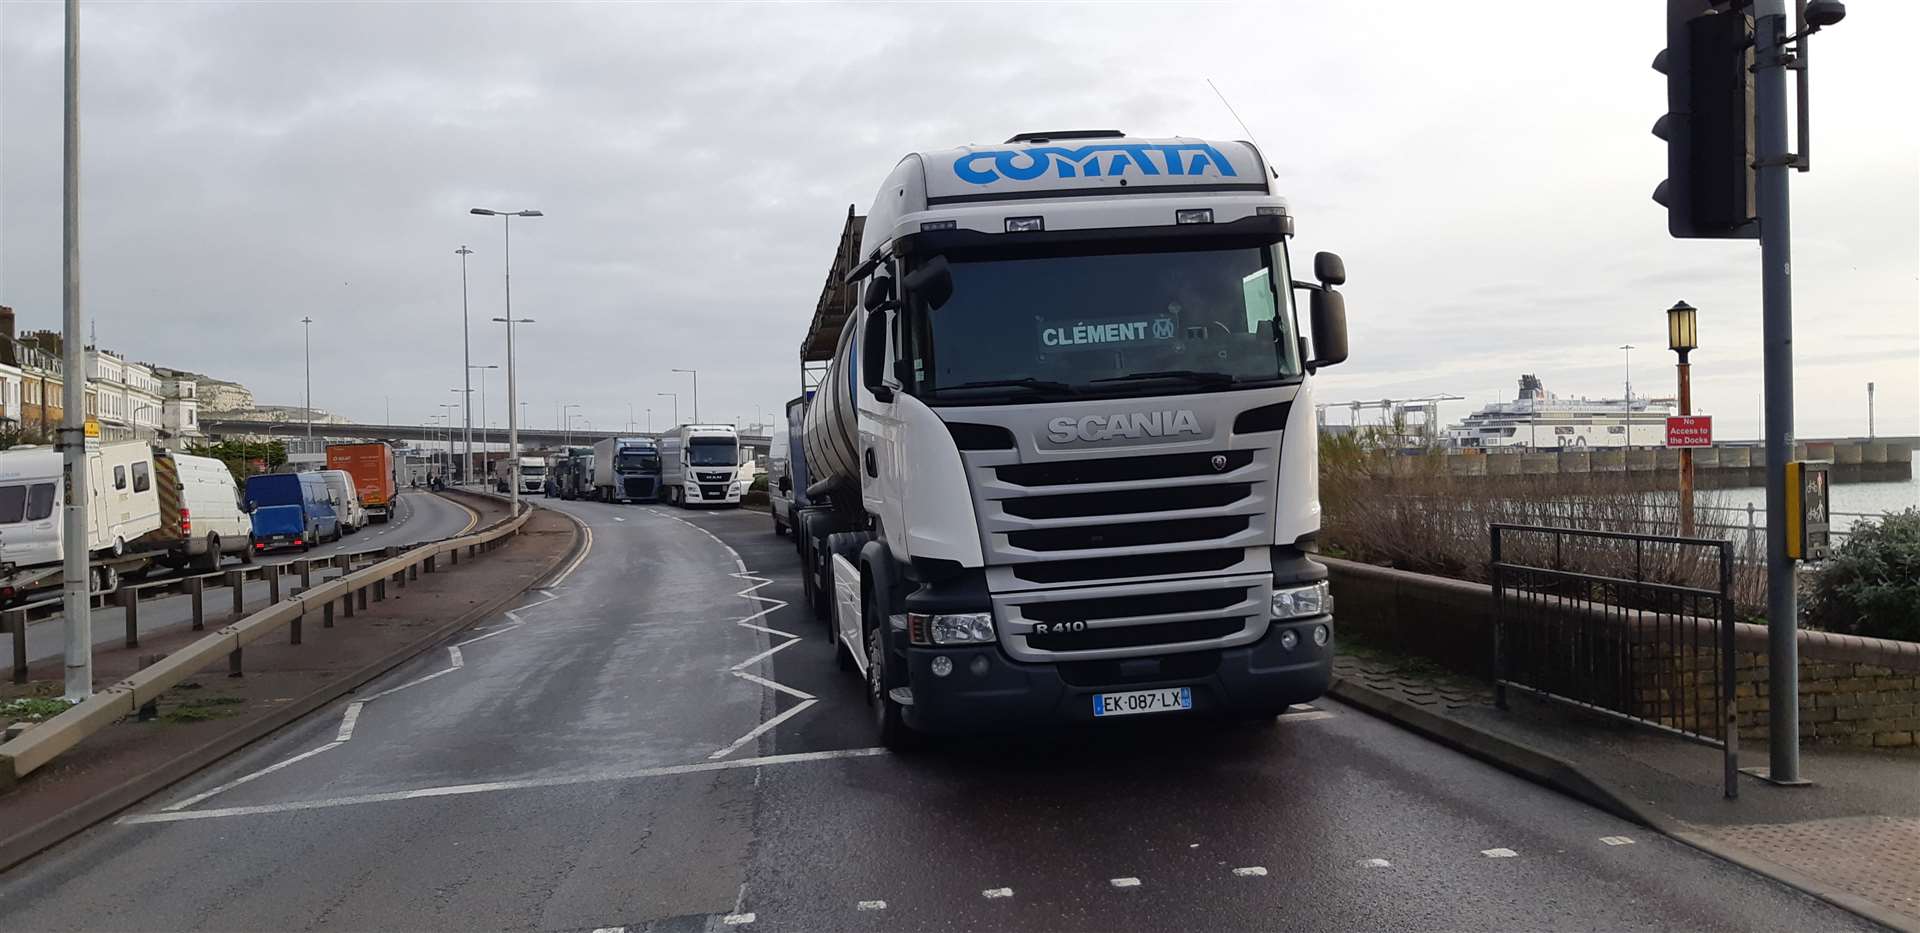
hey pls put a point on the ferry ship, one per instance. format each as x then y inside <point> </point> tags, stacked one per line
<point>1539,420</point>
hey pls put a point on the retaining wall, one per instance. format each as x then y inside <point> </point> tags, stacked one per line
<point>1862,692</point>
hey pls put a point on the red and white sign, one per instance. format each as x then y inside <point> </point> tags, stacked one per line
<point>1689,430</point>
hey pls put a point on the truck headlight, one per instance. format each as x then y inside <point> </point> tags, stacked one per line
<point>1300,602</point>
<point>958,628</point>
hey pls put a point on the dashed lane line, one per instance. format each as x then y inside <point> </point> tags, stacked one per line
<point>994,894</point>
<point>1499,853</point>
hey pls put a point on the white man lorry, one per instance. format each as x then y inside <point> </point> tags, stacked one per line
<point>533,474</point>
<point>626,469</point>
<point>700,465</point>
<point>1060,438</point>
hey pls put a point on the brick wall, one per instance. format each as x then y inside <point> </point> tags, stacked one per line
<point>1860,692</point>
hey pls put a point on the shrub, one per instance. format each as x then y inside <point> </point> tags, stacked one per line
<point>1871,586</point>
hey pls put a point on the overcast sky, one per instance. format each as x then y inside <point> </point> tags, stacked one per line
<point>1484,169</point>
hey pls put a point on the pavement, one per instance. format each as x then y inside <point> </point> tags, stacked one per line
<point>660,740</point>
<point>1852,836</point>
<point>420,516</point>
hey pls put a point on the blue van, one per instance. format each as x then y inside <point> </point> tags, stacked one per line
<point>291,510</point>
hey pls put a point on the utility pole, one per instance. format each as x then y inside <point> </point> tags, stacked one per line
<point>513,385</point>
<point>696,391</point>
<point>466,358</point>
<point>75,597</point>
<point>1776,338</point>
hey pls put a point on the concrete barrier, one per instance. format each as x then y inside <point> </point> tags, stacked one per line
<point>1873,452</point>
<point>1540,464</point>
<point>1503,464</point>
<point>1735,458</point>
<point>1609,461</point>
<point>1665,459</point>
<point>1640,460</point>
<point>1473,464</point>
<point>1576,461</point>
<point>1846,454</point>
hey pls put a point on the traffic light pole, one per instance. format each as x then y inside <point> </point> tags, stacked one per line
<point>1776,288</point>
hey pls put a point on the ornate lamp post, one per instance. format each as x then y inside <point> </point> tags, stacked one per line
<point>1683,336</point>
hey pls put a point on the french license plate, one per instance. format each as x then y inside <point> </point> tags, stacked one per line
<point>1143,701</point>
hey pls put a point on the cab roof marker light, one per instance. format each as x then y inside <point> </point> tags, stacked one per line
<point>1271,211</point>
<point>1026,224</point>
<point>927,226</point>
<point>1195,215</point>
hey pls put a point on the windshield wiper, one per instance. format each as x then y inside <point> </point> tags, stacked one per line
<point>1202,377</point>
<point>1024,382</point>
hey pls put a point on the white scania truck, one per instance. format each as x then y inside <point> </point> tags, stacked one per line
<point>1061,456</point>
<point>700,465</point>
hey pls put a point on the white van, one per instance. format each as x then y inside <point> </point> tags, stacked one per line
<point>211,520</point>
<point>123,509</point>
<point>346,500</point>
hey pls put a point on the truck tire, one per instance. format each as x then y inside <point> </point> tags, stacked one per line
<point>211,559</point>
<point>779,527</point>
<point>889,726</point>
<point>246,556</point>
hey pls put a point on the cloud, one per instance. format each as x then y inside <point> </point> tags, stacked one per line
<point>246,165</point>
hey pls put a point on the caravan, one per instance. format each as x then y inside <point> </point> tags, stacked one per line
<point>124,507</point>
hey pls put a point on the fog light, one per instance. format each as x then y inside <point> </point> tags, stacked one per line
<point>1321,635</point>
<point>1289,640</point>
<point>978,665</point>
<point>1197,215</point>
<point>942,666</point>
<point>1025,225</point>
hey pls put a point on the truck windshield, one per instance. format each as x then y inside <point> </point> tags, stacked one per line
<point>714,451</point>
<point>1105,325</point>
<point>534,469</point>
<point>641,461</point>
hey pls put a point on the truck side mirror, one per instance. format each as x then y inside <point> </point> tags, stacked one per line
<point>879,293</point>
<point>933,282</point>
<point>1327,310</point>
<point>1329,269</point>
<point>873,356</point>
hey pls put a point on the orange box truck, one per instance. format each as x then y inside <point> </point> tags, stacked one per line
<point>371,466</point>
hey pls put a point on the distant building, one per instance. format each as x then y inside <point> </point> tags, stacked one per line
<point>180,410</point>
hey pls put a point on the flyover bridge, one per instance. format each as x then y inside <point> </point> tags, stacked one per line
<point>529,437</point>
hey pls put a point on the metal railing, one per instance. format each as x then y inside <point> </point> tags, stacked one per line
<point>1641,631</point>
<point>351,593</point>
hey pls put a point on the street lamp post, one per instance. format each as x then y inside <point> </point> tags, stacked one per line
<point>75,593</point>
<point>1683,336</point>
<point>513,392</point>
<point>306,324</point>
<point>449,406</point>
<point>482,367</point>
<point>650,421</point>
<point>676,403</point>
<point>466,357</point>
<point>566,416</point>
<point>696,391</point>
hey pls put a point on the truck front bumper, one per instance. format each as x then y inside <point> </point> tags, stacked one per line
<point>986,691</point>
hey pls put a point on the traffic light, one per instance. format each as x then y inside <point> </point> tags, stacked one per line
<point>1708,128</point>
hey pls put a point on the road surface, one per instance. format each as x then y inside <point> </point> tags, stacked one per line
<point>600,758</point>
<point>420,516</point>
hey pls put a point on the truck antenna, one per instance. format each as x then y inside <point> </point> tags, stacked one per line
<point>1243,124</point>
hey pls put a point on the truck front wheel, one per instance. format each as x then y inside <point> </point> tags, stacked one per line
<point>890,727</point>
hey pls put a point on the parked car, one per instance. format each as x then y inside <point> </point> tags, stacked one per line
<point>346,498</point>
<point>291,510</point>
<point>212,519</point>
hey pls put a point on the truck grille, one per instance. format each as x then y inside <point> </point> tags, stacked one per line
<point>713,492</point>
<point>1117,607</point>
<point>1121,469</point>
<point>639,488</point>
<point>1109,568</point>
<point>1135,636</point>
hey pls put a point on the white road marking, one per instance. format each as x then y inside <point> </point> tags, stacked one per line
<point>618,519</point>
<point>460,790</point>
<point>770,652</point>
<point>575,565</point>
<point>734,920</point>
<point>994,894</point>
<point>1373,863</point>
<point>734,746</point>
<point>871,905</point>
<point>348,720</point>
<point>1499,853</point>
<point>263,772</point>
<point>1616,840</point>
<point>498,631</point>
<point>1314,716</point>
<point>771,685</point>
<point>610,930</point>
<point>1124,882</point>
<point>1251,871</point>
<point>770,631</point>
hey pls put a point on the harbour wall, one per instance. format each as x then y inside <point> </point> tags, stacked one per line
<point>1714,467</point>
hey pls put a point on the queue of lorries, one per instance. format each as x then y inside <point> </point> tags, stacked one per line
<point>688,465</point>
<point>150,507</point>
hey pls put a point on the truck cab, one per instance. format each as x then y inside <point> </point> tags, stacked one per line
<point>700,464</point>
<point>1063,448</point>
